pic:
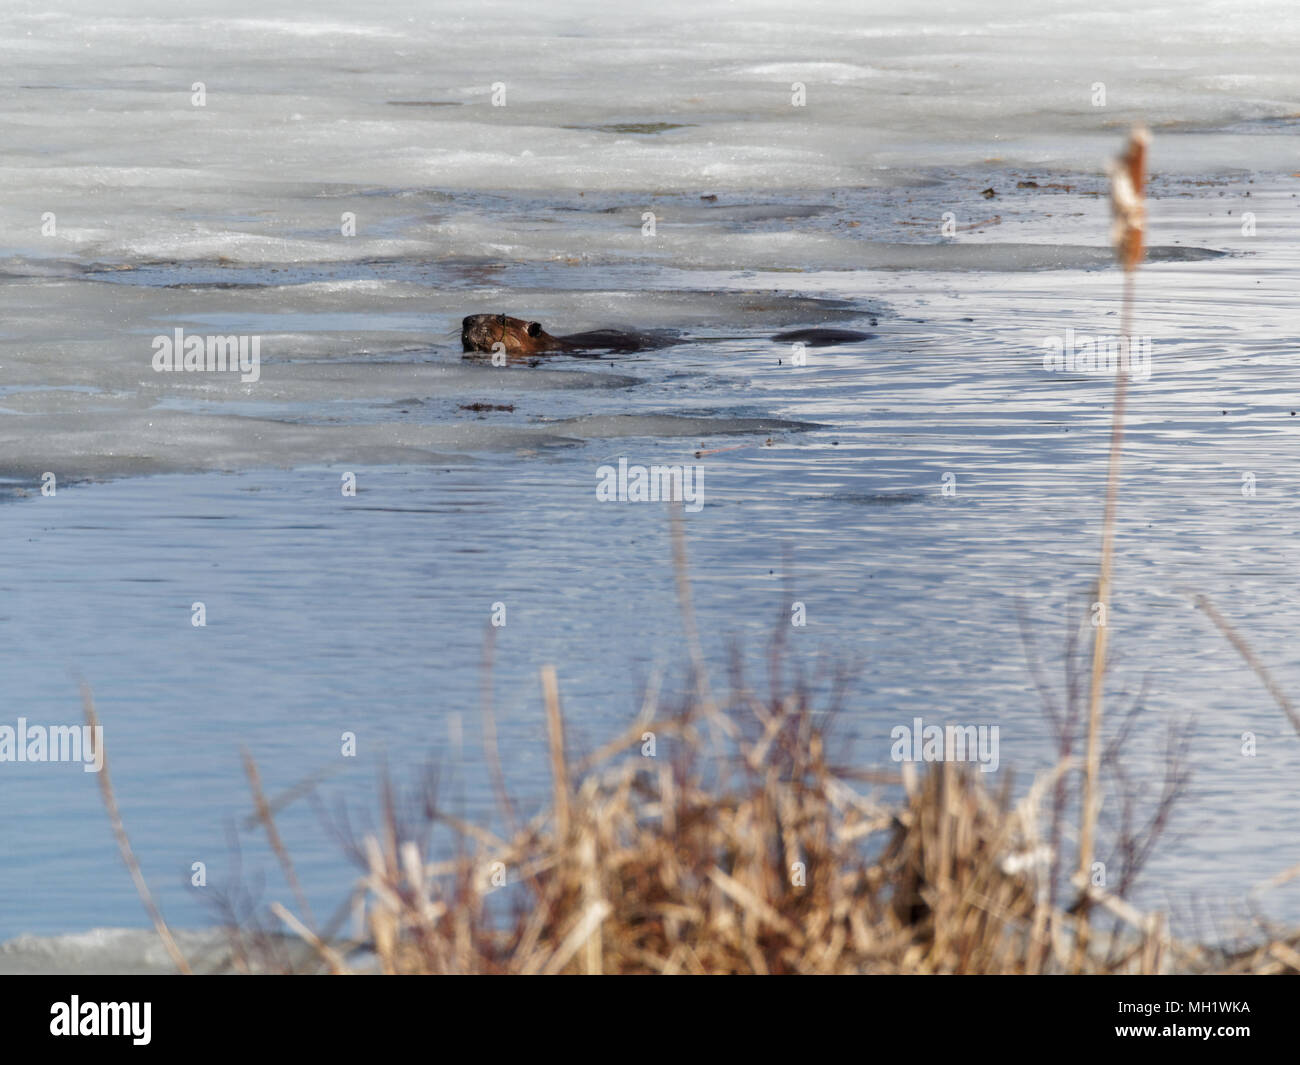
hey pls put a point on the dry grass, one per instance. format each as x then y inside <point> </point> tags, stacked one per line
<point>772,860</point>
<point>778,863</point>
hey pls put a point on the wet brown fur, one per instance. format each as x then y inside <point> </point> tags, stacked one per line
<point>520,339</point>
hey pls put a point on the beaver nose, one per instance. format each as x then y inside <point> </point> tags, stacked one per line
<point>467,321</point>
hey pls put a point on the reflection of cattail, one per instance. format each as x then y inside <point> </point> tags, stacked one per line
<point>1128,176</point>
<point>1128,207</point>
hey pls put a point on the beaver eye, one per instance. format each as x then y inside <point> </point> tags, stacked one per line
<point>534,329</point>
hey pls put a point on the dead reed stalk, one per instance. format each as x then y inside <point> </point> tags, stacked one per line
<point>1128,205</point>
<point>124,845</point>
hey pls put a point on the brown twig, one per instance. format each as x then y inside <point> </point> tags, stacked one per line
<point>559,762</point>
<point>124,845</point>
<point>264,814</point>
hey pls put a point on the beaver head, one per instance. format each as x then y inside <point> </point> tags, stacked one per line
<point>482,332</point>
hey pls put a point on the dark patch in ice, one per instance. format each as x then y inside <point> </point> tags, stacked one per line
<point>1265,125</point>
<point>1011,257</point>
<point>218,285</point>
<point>760,212</point>
<point>217,275</point>
<point>642,128</point>
<point>609,426</point>
<point>1170,253</point>
<point>822,338</point>
<point>18,266</point>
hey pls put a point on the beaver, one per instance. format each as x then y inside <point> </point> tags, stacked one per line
<point>481,333</point>
<point>521,339</point>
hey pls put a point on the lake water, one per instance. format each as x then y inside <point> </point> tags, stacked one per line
<point>130,211</point>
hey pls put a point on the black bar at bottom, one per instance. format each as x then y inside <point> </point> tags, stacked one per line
<point>1037,1015</point>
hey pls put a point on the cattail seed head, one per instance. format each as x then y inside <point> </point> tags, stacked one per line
<point>1128,175</point>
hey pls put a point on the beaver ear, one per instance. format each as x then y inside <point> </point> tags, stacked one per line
<point>534,329</point>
